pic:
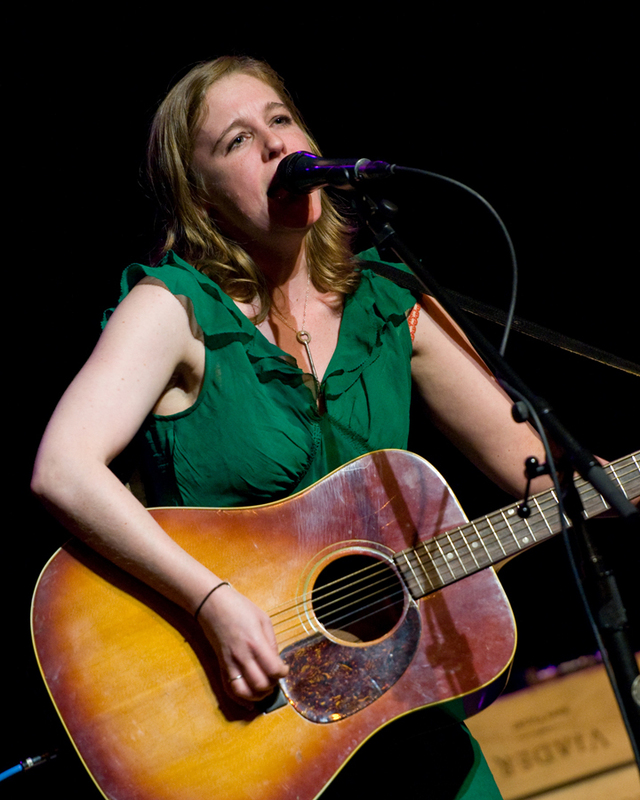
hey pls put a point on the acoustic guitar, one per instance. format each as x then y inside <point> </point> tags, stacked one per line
<point>383,601</point>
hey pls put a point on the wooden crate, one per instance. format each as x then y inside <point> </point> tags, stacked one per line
<point>564,737</point>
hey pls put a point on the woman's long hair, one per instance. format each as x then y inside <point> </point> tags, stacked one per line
<point>179,190</point>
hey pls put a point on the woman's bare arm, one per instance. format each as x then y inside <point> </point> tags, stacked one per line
<point>144,343</point>
<point>467,403</point>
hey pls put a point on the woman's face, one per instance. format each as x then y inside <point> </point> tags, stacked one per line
<point>247,131</point>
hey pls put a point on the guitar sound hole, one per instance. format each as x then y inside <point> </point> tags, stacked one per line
<point>358,598</point>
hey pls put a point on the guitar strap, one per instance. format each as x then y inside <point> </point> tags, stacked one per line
<point>408,281</point>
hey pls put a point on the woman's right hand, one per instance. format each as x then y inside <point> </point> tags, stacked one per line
<point>244,642</point>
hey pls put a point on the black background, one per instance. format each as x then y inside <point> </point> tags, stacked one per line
<point>534,112</point>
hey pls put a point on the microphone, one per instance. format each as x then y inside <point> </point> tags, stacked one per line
<point>302,173</point>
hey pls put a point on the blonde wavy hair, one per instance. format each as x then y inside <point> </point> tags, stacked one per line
<point>185,223</point>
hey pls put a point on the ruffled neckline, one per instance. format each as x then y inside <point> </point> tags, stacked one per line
<point>367,314</point>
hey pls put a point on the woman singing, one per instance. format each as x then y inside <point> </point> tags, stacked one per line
<point>256,356</point>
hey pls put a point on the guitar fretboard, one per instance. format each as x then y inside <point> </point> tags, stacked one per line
<point>452,555</point>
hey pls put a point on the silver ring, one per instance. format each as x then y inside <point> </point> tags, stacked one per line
<point>237,678</point>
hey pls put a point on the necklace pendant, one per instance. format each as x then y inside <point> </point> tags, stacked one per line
<point>304,337</point>
<point>311,364</point>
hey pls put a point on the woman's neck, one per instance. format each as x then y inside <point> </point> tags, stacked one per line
<point>284,271</point>
<point>283,264</point>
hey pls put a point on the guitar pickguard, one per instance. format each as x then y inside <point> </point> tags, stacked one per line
<point>328,681</point>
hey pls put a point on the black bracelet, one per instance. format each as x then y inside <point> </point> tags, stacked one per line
<point>208,595</point>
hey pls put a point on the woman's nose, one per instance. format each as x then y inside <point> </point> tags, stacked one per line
<point>274,145</point>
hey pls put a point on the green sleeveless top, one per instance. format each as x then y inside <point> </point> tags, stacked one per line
<point>255,433</point>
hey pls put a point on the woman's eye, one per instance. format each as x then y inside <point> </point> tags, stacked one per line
<point>282,119</point>
<point>235,142</point>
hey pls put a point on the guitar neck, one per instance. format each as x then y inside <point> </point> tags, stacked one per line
<point>452,555</point>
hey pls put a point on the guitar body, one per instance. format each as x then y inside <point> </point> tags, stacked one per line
<point>137,686</point>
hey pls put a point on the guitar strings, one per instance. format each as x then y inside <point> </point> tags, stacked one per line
<point>322,610</point>
<point>435,552</point>
<point>338,589</point>
<point>330,597</point>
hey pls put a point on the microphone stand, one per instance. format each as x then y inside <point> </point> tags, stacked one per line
<point>602,599</point>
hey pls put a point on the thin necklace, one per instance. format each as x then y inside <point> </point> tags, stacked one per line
<point>303,336</point>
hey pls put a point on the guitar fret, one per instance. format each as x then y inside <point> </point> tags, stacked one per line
<point>634,481</point>
<point>626,474</point>
<point>451,555</point>
<point>480,542</point>
<point>542,514</point>
<point>425,571</point>
<point>592,501</point>
<point>527,523</point>
<point>448,556</point>
<point>503,531</point>
<point>415,578</point>
<point>423,559</point>
<point>492,542</point>
<point>454,555</point>
<point>428,546</point>
<point>512,534</point>
<point>631,476</point>
<point>532,524</point>
<point>613,472</point>
<point>565,519</point>
<point>546,511</point>
<point>461,546</point>
<point>468,547</point>
<point>594,504</point>
<point>506,529</point>
<point>526,531</point>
